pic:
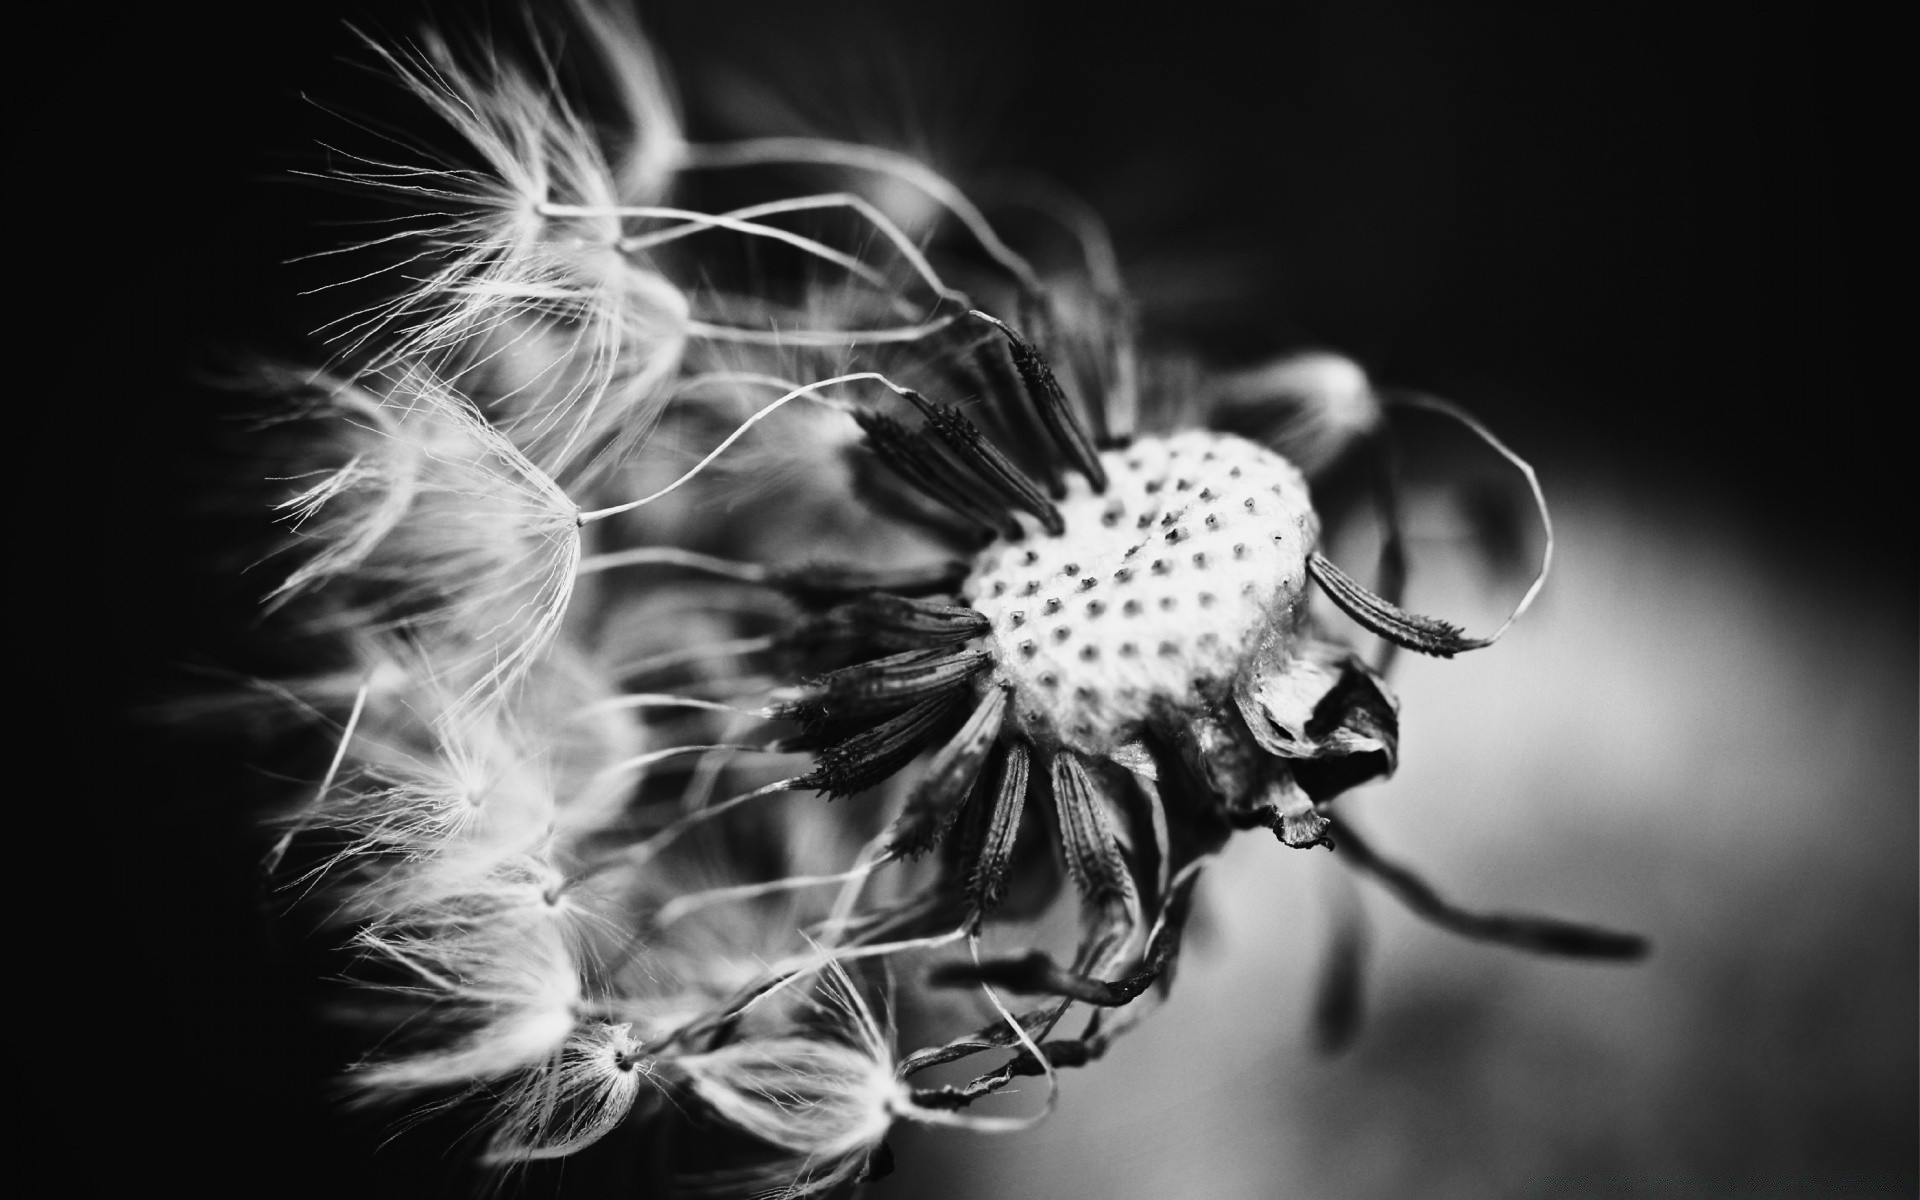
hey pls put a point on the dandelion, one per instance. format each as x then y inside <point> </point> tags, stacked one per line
<point>715,656</point>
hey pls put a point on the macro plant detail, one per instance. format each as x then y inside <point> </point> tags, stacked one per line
<point>745,634</point>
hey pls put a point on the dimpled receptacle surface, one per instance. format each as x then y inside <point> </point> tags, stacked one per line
<point>1174,575</point>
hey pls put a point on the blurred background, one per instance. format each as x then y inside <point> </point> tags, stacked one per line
<point>1625,234</point>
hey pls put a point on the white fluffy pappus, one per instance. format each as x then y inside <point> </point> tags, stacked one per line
<point>827,1098</point>
<point>826,1090</point>
<point>515,268</point>
<point>446,533</point>
<point>526,284</point>
<point>459,814</point>
<point>710,930</point>
<point>347,510</point>
<point>475,784</point>
<point>513,987</point>
<point>576,1097</point>
<point>1315,403</point>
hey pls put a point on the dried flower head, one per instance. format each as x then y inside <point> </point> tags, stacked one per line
<point>725,645</point>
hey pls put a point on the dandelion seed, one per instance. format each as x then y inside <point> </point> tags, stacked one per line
<point>579,1096</point>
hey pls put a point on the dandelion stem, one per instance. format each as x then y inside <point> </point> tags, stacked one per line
<point>1339,993</point>
<point>1406,399</point>
<point>280,847</point>
<point>687,654</point>
<point>888,229</point>
<point>639,761</point>
<point>825,152</point>
<point>778,383</point>
<point>699,221</point>
<point>804,390</point>
<point>872,855</point>
<point>644,851</point>
<point>1001,1124</point>
<point>1073,214</point>
<point>1542,935</point>
<point>673,556</point>
<point>662,700</point>
<point>784,973</point>
<point>688,904</point>
<point>819,337</point>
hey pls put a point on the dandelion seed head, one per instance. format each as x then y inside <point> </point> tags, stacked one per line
<point>658,743</point>
<point>1181,514</point>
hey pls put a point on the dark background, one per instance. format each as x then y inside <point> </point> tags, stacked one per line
<point>1637,235</point>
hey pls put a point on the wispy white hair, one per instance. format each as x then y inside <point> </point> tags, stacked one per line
<point>586,1089</point>
<point>828,1097</point>
<point>513,985</point>
<point>439,526</point>
<point>517,279</point>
